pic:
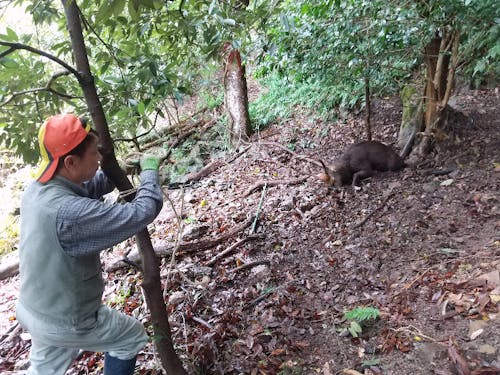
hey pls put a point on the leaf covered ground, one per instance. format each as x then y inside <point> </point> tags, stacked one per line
<point>423,249</point>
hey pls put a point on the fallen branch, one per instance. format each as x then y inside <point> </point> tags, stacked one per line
<point>231,248</point>
<point>255,221</point>
<point>360,224</point>
<point>414,331</point>
<point>251,265</point>
<point>13,331</point>
<point>186,247</point>
<point>9,265</point>
<point>260,184</point>
<point>210,168</point>
<point>267,294</point>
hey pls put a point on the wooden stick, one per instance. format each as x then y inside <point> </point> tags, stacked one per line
<point>251,264</point>
<point>260,184</point>
<point>374,211</point>
<point>231,248</point>
<point>259,207</point>
<point>267,294</point>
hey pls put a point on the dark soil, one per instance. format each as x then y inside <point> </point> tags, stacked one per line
<point>423,249</point>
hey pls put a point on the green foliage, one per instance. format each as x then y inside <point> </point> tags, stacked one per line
<point>311,54</point>
<point>291,368</point>
<point>140,52</point>
<point>336,44</point>
<point>361,313</point>
<point>370,362</point>
<point>283,95</point>
<point>481,46</point>
<point>357,316</point>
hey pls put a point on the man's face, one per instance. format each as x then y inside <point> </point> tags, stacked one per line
<point>87,165</point>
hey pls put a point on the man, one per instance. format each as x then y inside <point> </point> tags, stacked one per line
<point>64,226</point>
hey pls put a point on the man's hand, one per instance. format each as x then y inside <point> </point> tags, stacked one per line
<point>149,162</point>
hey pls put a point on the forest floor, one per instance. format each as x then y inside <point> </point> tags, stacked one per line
<point>423,249</point>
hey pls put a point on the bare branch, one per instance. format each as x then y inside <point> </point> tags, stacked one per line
<point>5,53</point>
<point>16,46</point>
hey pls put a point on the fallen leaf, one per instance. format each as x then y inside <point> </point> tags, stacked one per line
<point>447,182</point>
<point>487,349</point>
<point>492,278</point>
<point>461,366</point>
<point>277,351</point>
<point>476,327</point>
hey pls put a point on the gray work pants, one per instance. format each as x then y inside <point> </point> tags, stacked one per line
<point>54,347</point>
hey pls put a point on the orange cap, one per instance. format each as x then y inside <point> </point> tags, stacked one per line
<point>58,136</point>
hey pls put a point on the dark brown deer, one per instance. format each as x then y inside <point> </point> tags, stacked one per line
<point>360,161</point>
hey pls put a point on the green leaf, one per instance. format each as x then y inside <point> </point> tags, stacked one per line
<point>108,9</point>
<point>371,362</point>
<point>141,108</point>
<point>11,36</point>
<point>8,63</point>
<point>355,329</point>
<point>362,313</point>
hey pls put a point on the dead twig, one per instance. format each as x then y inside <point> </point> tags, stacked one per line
<point>231,248</point>
<point>409,285</point>
<point>202,322</point>
<point>461,365</point>
<point>266,294</point>
<point>251,264</point>
<point>210,168</point>
<point>360,224</point>
<point>270,183</point>
<point>187,247</point>
<point>254,224</point>
<point>13,331</point>
<point>414,331</point>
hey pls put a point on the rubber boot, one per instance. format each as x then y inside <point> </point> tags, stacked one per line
<point>115,366</point>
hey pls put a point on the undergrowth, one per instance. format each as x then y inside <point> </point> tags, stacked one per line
<point>283,96</point>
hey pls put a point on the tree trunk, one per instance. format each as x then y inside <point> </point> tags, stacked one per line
<point>368,113</point>
<point>441,55</point>
<point>412,122</point>
<point>151,270</point>
<point>236,99</point>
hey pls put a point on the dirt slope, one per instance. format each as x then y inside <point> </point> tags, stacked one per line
<point>427,257</point>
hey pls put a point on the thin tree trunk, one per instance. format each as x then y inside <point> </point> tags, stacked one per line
<point>368,123</point>
<point>151,270</point>
<point>236,99</point>
<point>439,82</point>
